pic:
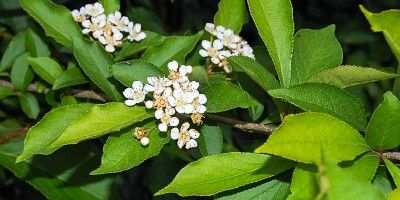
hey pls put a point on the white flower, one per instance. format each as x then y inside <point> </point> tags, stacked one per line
<point>179,74</point>
<point>210,27</point>
<point>198,104</point>
<point>247,51</point>
<point>95,25</point>
<point>94,10</point>
<point>144,141</point>
<point>160,100</point>
<point>229,39</point>
<point>185,136</point>
<point>157,85</point>
<point>182,101</point>
<point>79,15</point>
<point>119,21</point>
<point>165,116</point>
<point>135,94</point>
<point>211,50</point>
<point>135,32</point>
<point>111,41</point>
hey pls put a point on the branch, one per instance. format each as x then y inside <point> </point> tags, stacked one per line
<point>244,126</point>
<point>87,94</point>
<point>14,135</point>
<point>390,155</point>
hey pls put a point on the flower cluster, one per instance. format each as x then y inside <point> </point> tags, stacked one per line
<point>170,96</point>
<point>108,29</point>
<point>226,44</point>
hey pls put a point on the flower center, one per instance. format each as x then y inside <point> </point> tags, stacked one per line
<point>212,52</point>
<point>161,102</point>
<point>184,136</point>
<point>174,75</point>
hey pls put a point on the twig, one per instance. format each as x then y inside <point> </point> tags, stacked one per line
<point>390,155</point>
<point>87,94</point>
<point>245,126</point>
<point>14,135</point>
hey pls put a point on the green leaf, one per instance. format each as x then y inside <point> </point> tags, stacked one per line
<point>46,68</point>
<point>21,74</point>
<point>364,167</point>
<point>271,190</point>
<point>129,49</point>
<point>382,180</point>
<point>70,77</point>
<point>172,48</point>
<point>5,92</point>
<point>394,195</point>
<point>393,170</point>
<point>29,105</point>
<point>14,49</point>
<point>49,128</point>
<point>231,14</point>
<point>301,138</point>
<point>199,74</point>
<point>63,176</point>
<point>134,70</point>
<point>35,45</point>
<point>314,51</point>
<point>211,140</point>
<point>342,185</point>
<point>98,121</point>
<point>383,128</point>
<point>95,62</point>
<point>348,75</point>
<point>56,20</point>
<point>318,97</point>
<point>122,151</point>
<point>110,6</point>
<point>234,170</point>
<point>225,96</point>
<point>274,21</point>
<point>304,182</point>
<point>258,73</point>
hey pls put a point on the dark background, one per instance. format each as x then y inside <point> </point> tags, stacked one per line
<point>360,45</point>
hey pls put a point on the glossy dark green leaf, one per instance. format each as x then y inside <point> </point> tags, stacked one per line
<point>70,77</point>
<point>134,70</point>
<point>234,170</point>
<point>383,128</point>
<point>47,68</point>
<point>35,45</point>
<point>122,151</point>
<point>15,48</point>
<point>29,104</point>
<point>317,97</point>
<point>199,74</point>
<point>314,51</point>
<point>21,74</point>
<point>110,6</point>
<point>393,170</point>
<point>55,19</point>
<point>95,62</point>
<point>211,140</point>
<point>225,96</point>
<point>5,92</point>
<point>231,14</point>
<point>50,127</point>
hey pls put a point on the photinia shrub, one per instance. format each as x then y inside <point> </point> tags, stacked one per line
<point>92,101</point>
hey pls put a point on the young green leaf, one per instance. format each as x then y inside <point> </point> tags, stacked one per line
<point>211,140</point>
<point>122,151</point>
<point>14,49</point>
<point>134,70</point>
<point>56,20</point>
<point>50,128</point>
<point>95,62</point>
<point>225,96</point>
<point>318,97</point>
<point>5,92</point>
<point>314,51</point>
<point>348,75</point>
<point>364,167</point>
<point>110,6</point>
<point>271,190</point>
<point>35,45</point>
<point>46,68</point>
<point>304,182</point>
<point>394,171</point>
<point>21,74</point>
<point>257,72</point>
<point>383,128</point>
<point>341,185</point>
<point>394,195</point>
<point>70,77</point>
<point>172,48</point>
<point>274,21</point>
<point>301,138</point>
<point>234,170</point>
<point>129,49</point>
<point>199,74</point>
<point>29,105</point>
<point>98,121</point>
<point>231,14</point>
